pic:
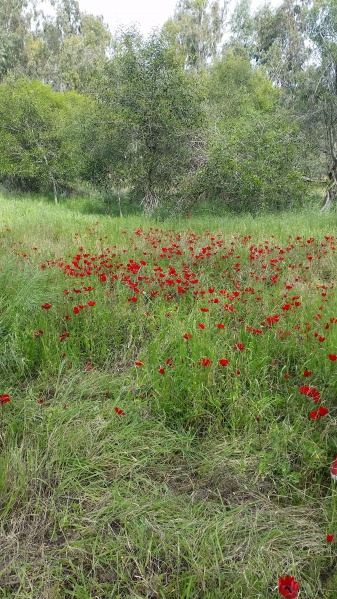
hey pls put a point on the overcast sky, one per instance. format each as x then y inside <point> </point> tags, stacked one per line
<point>147,13</point>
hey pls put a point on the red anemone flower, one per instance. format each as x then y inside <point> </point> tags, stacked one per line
<point>119,411</point>
<point>4,399</point>
<point>310,392</point>
<point>161,370</point>
<point>333,357</point>
<point>37,334</point>
<point>307,373</point>
<point>288,587</point>
<point>318,414</point>
<point>187,336</point>
<point>330,538</point>
<point>205,362</point>
<point>138,363</point>
<point>46,306</point>
<point>239,346</point>
<point>224,362</point>
<point>91,303</point>
<point>201,326</point>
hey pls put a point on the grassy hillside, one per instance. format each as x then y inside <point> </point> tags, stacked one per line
<point>172,414</point>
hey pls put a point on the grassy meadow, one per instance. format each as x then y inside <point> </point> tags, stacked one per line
<point>172,414</point>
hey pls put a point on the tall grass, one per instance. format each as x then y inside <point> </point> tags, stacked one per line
<point>214,480</point>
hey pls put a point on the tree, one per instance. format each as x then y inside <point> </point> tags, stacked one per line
<point>36,152</point>
<point>154,117</point>
<point>197,28</point>
<point>14,30</point>
<point>252,150</point>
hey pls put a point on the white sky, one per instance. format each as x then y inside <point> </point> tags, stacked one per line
<point>146,13</point>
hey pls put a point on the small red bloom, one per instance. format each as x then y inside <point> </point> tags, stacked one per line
<point>224,362</point>
<point>76,310</point>
<point>64,336</point>
<point>187,336</point>
<point>330,538</point>
<point>138,363</point>
<point>307,373</point>
<point>288,587</point>
<point>37,334</point>
<point>4,399</point>
<point>286,376</point>
<point>238,372</point>
<point>204,309</point>
<point>119,411</point>
<point>286,307</point>
<point>46,306</point>
<point>89,367</point>
<point>161,370</point>
<point>310,392</point>
<point>221,326</point>
<point>239,346</point>
<point>333,357</point>
<point>91,303</point>
<point>318,414</point>
<point>205,362</point>
<point>201,326</point>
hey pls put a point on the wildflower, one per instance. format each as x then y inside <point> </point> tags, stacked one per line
<point>38,333</point>
<point>307,373</point>
<point>204,309</point>
<point>91,303</point>
<point>330,538</point>
<point>138,363</point>
<point>89,367</point>
<point>239,346</point>
<point>333,357</point>
<point>161,370</point>
<point>318,414</point>
<point>224,362</point>
<point>64,336</point>
<point>187,336</point>
<point>119,411</point>
<point>204,362</point>
<point>286,376</point>
<point>288,587</point>
<point>76,309</point>
<point>221,326</point>
<point>201,326</point>
<point>4,399</point>
<point>310,392</point>
<point>46,306</point>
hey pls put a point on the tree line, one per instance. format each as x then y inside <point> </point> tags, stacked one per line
<point>225,110</point>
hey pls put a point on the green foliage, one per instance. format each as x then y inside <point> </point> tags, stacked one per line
<point>147,116</point>
<point>252,153</point>
<point>36,150</point>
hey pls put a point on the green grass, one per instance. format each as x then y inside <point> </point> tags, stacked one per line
<point>212,483</point>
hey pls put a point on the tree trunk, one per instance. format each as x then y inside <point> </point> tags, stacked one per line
<point>331,192</point>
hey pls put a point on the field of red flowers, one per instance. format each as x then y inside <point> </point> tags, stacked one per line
<point>168,417</point>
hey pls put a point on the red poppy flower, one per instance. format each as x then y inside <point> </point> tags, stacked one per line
<point>205,362</point>
<point>224,362</point>
<point>310,392</point>
<point>204,309</point>
<point>119,411</point>
<point>37,334</point>
<point>76,310</point>
<point>187,336</point>
<point>286,376</point>
<point>239,346</point>
<point>307,373</point>
<point>89,367</point>
<point>238,372</point>
<point>288,587</point>
<point>46,306</point>
<point>138,363</point>
<point>64,336</point>
<point>201,326</point>
<point>161,370</point>
<point>333,357</point>
<point>4,399</point>
<point>330,538</point>
<point>221,326</point>
<point>318,414</point>
<point>91,303</point>
<point>286,307</point>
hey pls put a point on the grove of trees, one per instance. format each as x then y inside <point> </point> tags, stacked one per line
<point>232,110</point>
